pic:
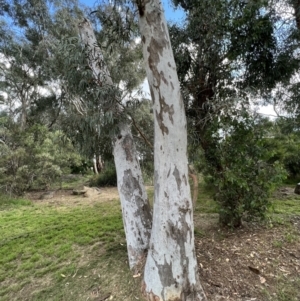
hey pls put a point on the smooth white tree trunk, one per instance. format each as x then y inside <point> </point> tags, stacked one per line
<point>137,215</point>
<point>171,271</point>
<point>95,165</point>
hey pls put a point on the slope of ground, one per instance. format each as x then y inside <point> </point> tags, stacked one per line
<point>73,248</point>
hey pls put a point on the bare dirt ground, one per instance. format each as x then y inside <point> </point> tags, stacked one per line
<point>66,197</point>
<point>254,263</point>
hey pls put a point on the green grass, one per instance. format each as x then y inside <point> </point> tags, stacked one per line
<point>44,245</point>
<point>150,193</point>
<point>205,202</point>
<point>287,290</point>
<point>79,253</point>
<point>7,202</point>
<point>290,206</point>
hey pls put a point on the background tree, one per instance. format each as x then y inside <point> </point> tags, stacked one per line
<point>228,57</point>
<point>137,215</point>
<point>34,158</point>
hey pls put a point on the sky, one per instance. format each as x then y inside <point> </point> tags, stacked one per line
<point>172,15</point>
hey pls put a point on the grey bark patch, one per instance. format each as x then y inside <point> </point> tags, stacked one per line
<point>145,213</point>
<point>180,235</point>
<point>164,108</point>
<point>155,49</point>
<point>130,183</point>
<point>154,20</point>
<point>127,144</point>
<point>153,60</point>
<point>176,175</point>
<point>141,7</point>
<point>156,182</point>
<point>163,78</point>
<point>165,273</point>
<point>181,103</point>
<point>162,126</point>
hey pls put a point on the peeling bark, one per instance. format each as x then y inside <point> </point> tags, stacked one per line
<point>171,272</point>
<point>137,215</point>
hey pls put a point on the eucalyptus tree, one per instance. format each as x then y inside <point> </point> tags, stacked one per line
<point>171,271</point>
<point>19,82</point>
<point>222,53</point>
<point>137,217</point>
<point>30,33</point>
<point>286,93</point>
<point>171,268</point>
<point>227,55</point>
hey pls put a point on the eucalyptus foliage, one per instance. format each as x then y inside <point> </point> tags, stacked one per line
<point>45,76</point>
<point>28,49</point>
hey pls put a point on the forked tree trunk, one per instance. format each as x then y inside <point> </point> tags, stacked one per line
<point>171,271</point>
<point>137,215</point>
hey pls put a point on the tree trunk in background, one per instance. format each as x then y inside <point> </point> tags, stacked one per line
<point>171,271</point>
<point>99,163</point>
<point>137,215</point>
<point>95,165</point>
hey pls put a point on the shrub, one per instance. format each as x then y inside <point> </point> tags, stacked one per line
<point>32,158</point>
<point>244,179</point>
<point>108,177</point>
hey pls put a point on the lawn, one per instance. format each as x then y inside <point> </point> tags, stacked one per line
<point>71,248</point>
<point>55,252</point>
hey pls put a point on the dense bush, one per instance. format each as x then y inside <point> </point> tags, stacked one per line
<point>286,149</point>
<point>108,177</point>
<point>32,158</point>
<point>245,177</point>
